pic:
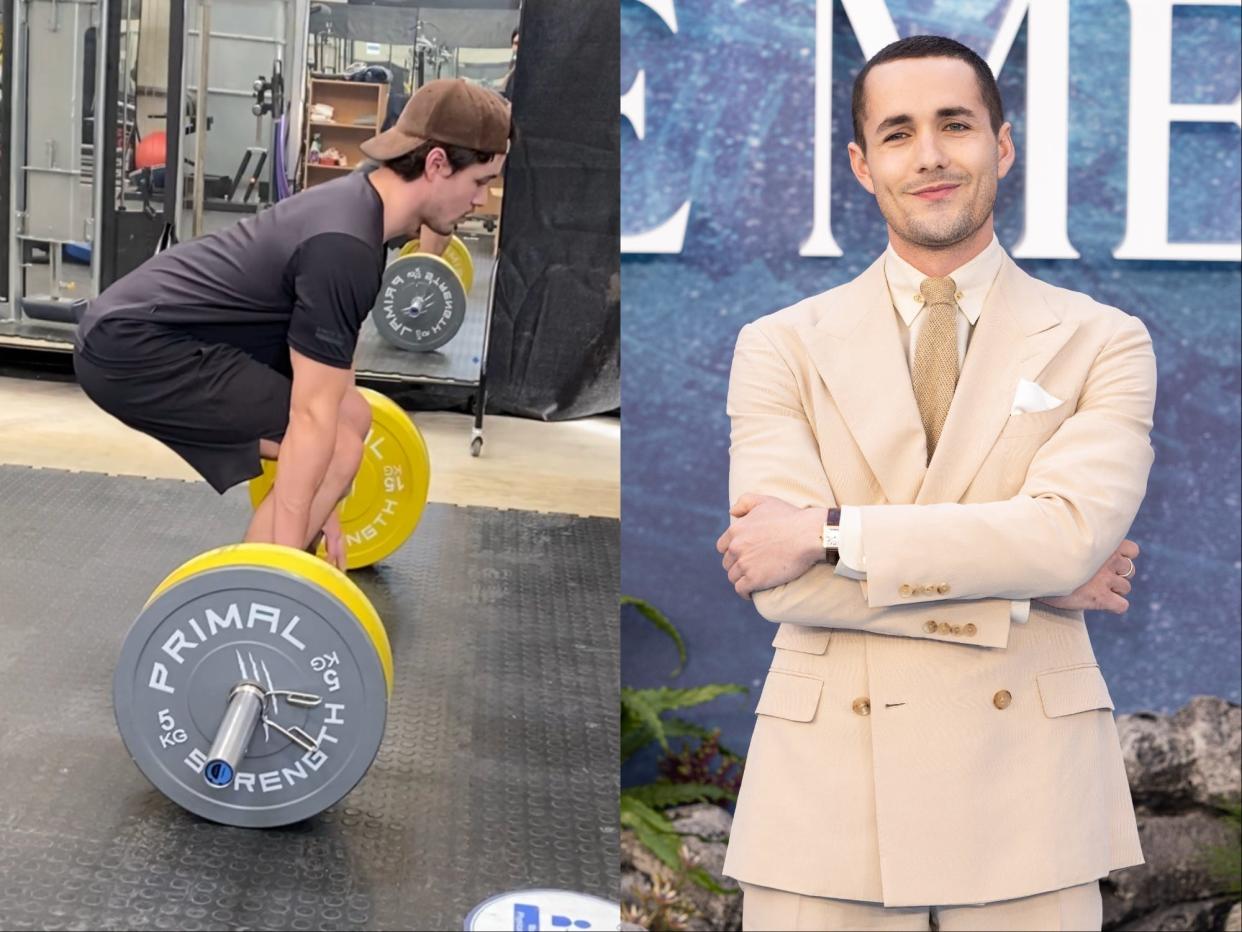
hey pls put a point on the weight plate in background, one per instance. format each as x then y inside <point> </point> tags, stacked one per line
<point>456,254</point>
<point>390,491</point>
<point>202,635</point>
<point>421,303</point>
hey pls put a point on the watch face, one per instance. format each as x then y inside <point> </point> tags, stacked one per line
<point>832,538</point>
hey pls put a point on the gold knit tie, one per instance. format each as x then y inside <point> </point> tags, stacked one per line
<point>934,373</point>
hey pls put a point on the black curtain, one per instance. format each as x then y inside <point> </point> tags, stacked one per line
<point>555,350</point>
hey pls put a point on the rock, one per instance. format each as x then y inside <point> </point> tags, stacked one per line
<point>705,830</point>
<point>1180,767</point>
<point>1233,922</point>
<point>706,822</point>
<point>1176,870</point>
<point>1200,916</point>
<point>1187,759</point>
<point>1214,727</point>
<point>1159,762</point>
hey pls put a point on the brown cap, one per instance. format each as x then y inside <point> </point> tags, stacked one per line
<point>450,110</point>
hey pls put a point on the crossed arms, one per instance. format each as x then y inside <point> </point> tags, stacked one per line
<point>1058,533</point>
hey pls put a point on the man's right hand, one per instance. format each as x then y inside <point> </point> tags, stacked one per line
<point>1106,590</point>
<point>334,540</point>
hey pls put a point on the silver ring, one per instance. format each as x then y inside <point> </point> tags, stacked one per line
<point>1131,573</point>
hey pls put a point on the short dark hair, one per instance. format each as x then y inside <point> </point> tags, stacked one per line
<point>928,47</point>
<point>411,165</point>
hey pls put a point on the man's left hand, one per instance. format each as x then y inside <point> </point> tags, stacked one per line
<point>770,543</point>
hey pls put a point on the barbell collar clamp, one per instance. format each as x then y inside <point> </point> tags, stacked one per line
<point>294,734</point>
<point>300,700</point>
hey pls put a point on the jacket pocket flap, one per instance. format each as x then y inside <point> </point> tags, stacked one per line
<point>1077,689</point>
<point>790,696</point>
<point>802,638</point>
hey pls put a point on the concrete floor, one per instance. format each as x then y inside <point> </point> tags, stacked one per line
<point>570,467</point>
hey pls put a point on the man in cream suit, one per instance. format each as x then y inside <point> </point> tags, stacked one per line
<point>933,469</point>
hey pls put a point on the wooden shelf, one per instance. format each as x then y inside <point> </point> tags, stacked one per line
<point>342,83</point>
<point>350,100</point>
<point>334,125</point>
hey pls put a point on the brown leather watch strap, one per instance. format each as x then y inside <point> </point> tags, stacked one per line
<point>833,520</point>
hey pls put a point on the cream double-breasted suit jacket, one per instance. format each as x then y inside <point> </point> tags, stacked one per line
<point>912,745</point>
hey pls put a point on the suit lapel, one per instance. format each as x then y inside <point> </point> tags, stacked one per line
<point>1016,336</point>
<point>856,348</point>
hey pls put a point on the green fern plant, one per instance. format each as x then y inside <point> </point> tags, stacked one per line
<point>645,718</point>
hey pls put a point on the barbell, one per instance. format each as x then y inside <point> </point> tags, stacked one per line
<point>253,687</point>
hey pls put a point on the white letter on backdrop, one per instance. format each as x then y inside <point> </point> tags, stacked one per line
<point>669,236</point>
<point>1151,112</point>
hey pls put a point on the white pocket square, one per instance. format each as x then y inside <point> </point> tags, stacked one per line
<point>1030,399</point>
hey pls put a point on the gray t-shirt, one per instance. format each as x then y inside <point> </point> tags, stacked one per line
<point>303,273</point>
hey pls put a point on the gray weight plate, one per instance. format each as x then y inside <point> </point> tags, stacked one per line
<point>205,634</point>
<point>422,303</point>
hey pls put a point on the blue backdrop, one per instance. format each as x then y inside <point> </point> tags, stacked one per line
<point>729,124</point>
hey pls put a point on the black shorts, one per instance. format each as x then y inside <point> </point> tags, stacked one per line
<point>210,402</point>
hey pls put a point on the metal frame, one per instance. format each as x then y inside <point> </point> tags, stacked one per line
<point>16,148</point>
<point>6,133</point>
<point>108,49</point>
<point>480,393</point>
<point>290,28</point>
<point>174,120</point>
<point>17,66</point>
<point>98,140</point>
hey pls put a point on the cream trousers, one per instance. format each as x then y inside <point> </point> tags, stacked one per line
<point>1074,908</point>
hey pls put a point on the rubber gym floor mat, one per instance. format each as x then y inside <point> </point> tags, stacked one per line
<point>498,769</point>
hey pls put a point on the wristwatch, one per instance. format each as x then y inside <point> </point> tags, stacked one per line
<point>832,535</point>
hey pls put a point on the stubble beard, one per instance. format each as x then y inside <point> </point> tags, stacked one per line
<point>442,228</point>
<point>938,232</point>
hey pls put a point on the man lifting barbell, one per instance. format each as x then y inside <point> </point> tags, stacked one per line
<point>239,345</point>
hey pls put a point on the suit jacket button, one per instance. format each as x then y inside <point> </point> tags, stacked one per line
<point>957,629</point>
<point>906,591</point>
<point>862,706</point>
<point>930,627</point>
<point>943,627</point>
<point>969,629</point>
<point>1001,699</point>
<point>943,588</point>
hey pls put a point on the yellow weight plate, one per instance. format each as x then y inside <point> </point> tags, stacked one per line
<point>297,563</point>
<point>456,254</point>
<point>389,492</point>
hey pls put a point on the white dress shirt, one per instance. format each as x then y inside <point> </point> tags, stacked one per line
<point>974,281</point>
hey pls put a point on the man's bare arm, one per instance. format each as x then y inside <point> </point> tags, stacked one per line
<point>306,451</point>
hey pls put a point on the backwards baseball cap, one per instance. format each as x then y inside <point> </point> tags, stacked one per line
<point>450,110</point>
